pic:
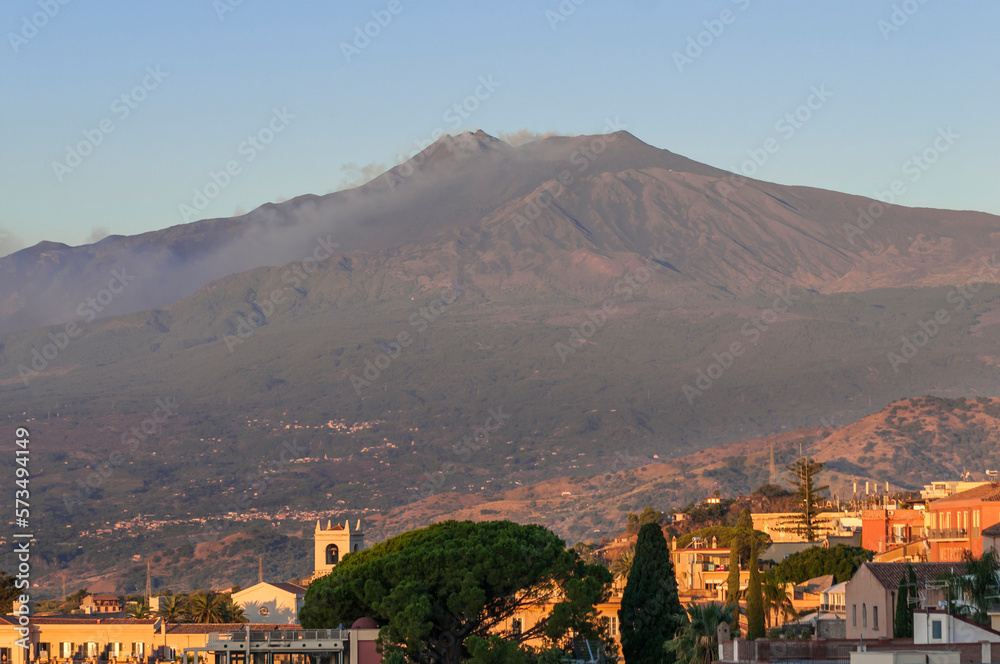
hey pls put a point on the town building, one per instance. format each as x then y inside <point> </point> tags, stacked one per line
<point>991,538</point>
<point>886,529</point>
<point>63,638</point>
<point>781,526</point>
<point>870,596</point>
<point>955,523</point>
<point>293,646</point>
<point>702,570</point>
<point>93,604</point>
<point>271,602</point>
<point>936,490</point>
<point>938,626</point>
<point>808,595</point>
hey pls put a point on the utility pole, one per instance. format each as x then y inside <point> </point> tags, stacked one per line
<point>260,569</point>
<point>149,588</point>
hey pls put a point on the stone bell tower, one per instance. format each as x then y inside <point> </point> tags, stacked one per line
<point>333,542</point>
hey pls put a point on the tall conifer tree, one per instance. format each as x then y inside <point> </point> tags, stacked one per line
<point>651,611</point>
<point>755,598</point>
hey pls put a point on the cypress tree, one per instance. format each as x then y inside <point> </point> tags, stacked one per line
<point>733,581</point>
<point>755,598</point>
<point>651,611</point>
<point>902,609</point>
<point>745,520</point>
<point>916,593</point>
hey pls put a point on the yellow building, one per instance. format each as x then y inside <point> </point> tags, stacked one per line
<point>780,526</point>
<point>62,638</point>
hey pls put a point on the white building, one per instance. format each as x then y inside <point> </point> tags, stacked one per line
<point>271,602</point>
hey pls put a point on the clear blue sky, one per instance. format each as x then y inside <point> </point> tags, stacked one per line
<point>891,93</point>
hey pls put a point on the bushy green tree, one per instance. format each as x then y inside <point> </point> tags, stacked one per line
<point>755,599</point>
<point>636,521</point>
<point>435,587</point>
<point>651,611</point>
<point>8,593</point>
<point>841,561</point>
<point>772,491</point>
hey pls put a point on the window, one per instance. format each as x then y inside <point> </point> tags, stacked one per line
<point>864,616</point>
<point>875,618</point>
<point>332,554</point>
<point>936,629</point>
<point>854,615</point>
<point>516,626</point>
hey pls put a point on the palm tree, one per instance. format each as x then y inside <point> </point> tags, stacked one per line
<point>979,584</point>
<point>623,564</point>
<point>205,608</point>
<point>172,609</point>
<point>776,599</point>
<point>138,610</point>
<point>697,641</point>
<point>230,612</point>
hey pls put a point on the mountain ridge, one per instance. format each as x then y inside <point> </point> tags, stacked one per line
<point>606,194</point>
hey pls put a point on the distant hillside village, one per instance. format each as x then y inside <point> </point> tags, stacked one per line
<point>772,577</point>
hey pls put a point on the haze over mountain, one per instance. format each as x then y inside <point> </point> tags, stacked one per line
<point>456,204</point>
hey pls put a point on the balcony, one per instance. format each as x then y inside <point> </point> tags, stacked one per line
<point>943,534</point>
<point>329,639</point>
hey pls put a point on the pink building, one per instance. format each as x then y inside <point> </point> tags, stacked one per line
<point>870,597</point>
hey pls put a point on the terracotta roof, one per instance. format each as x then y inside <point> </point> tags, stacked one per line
<point>889,574</point>
<point>202,628</point>
<point>816,584</point>
<point>988,492</point>
<point>992,531</point>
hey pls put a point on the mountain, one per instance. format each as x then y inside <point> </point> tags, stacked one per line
<point>952,432</point>
<point>464,199</point>
<point>491,318</point>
